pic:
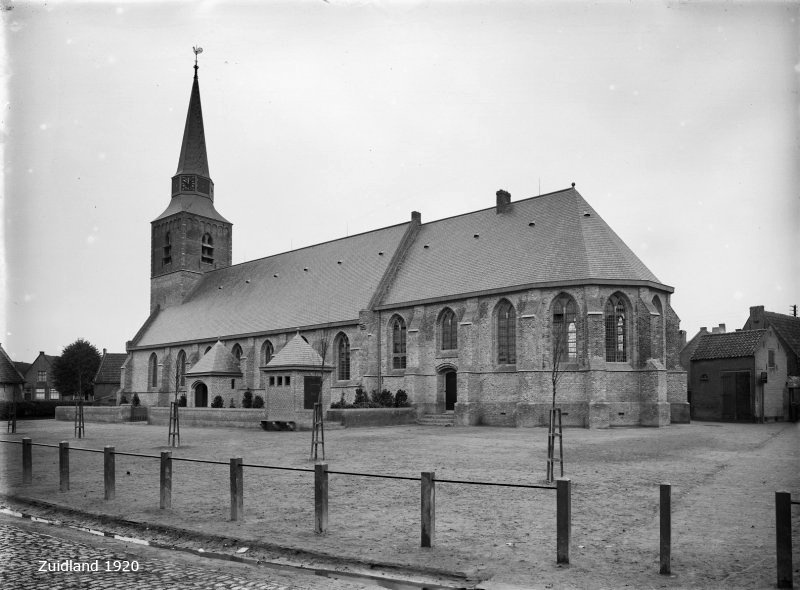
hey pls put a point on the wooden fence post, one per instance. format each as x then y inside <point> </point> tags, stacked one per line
<point>428,506</point>
<point>63,465</point>
<point>665,543</point>
<point>320,498</point>
<point>166,480</point>
<point>27,460</point>
<point>237,491</point>
<point>109,472</point>
<point>783,538</point>
<point>563,518</point>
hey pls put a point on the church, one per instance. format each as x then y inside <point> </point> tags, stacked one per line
<point>468,315</point>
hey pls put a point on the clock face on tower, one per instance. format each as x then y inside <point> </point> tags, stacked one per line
<point>187,183</point>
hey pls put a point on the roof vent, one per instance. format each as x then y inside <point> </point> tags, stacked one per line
<point>380,253</point>
<point>531,223</point>
<point>220,287</point>
<point>247,281</point>
<point>305,269</point>
<point>426,246</point>
<point>275,275</point>
<point>338,262</point>
<point>587,214</point>
<point>476,236</point>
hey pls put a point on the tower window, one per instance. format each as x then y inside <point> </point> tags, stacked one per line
<point>207,252</point>
<point>167,254</point>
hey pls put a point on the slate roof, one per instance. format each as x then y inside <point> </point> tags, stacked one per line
<point>563,245</point>
<point>787,327</point>
<point>249,298</point>
<point>109,369</point>
<point>296,353</point>
<point>8,371</point>
<point>730,345</point>
<point>217,361</point>
<point>331,282</point>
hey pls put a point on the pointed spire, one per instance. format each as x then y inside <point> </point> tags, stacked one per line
<point>193,159</point>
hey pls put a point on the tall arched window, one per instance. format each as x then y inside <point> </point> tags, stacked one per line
<point>152,370</point>
<point>237,352</point>
<point>449,330</point>
<point>616,330</point>
<point>506,333</point>
<point>342,358</point>
<point>267,352</point>
<point>207,252</point>
<point>658,329</point>
<point>398,343</point>
<point>180,368</point>
<point>565,332</point>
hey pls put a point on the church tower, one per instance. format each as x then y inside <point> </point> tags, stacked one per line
<point>189,238</point>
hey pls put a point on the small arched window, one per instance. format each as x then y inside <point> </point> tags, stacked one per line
<point>207,349</point>
<point>180,369</point>
<point>616,329</point>
<point>267,352</point>
<point>152,370</point>
<point>565,332</point>
<point>506,333</point>
<point>342,358</point>
<point>207,252</point>
<point>448,330</point>
<point>398,343</point>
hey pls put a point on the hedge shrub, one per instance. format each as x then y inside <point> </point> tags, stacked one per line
<point>217,402</point>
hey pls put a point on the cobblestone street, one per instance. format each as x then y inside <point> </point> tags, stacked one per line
<point>27,548</point>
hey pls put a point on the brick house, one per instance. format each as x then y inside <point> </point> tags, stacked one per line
<point>750,374</point>
<point>106,381</point>
<point>11,380</point>
<point>465,314</point>
<point>39,379</point>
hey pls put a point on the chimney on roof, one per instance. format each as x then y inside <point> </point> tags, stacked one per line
<point>704,330</point>
<point>682,336</point>
<point>718,330</point>
<point>757,317</point>
<point>416,217</point>
<point>503,201</point>
<point>104,352</point>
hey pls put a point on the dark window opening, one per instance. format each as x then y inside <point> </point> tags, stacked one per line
<point>398,343</point>
<point>616,330</point>
<point>449,330</point>
<point>207,250</point>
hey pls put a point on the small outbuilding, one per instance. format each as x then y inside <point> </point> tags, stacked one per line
<point>296,379</point>
<point>740,377</point>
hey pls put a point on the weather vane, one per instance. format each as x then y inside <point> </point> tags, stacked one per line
<point>197,51</point>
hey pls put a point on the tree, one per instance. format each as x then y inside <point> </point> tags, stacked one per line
<point>75,369</point>
<point>559,352</point>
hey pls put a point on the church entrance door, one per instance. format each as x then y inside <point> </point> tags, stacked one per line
<point>200,395</point>
<point>450,390</point>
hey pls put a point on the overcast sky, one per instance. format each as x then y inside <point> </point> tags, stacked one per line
<point>677,122</point>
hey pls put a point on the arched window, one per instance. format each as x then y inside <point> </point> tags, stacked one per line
<point>207,252</point>
<point>267,352</point>
<point>565,333</point>
<point>398,343</point>
<point>342,358</point>
<point>152,370</point>
<point>237,352</point>
<point>616,330</point>
<point>658,329</point>
<point>180,369</point>
<point>506,334</point>
<point>449,330</point>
